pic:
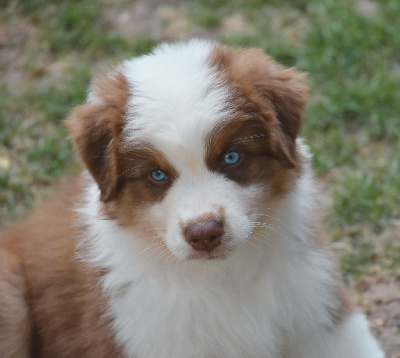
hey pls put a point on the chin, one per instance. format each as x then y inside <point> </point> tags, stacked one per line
<point>191,232</point>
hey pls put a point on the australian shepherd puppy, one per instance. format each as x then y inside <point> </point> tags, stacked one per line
<point>192,234</point>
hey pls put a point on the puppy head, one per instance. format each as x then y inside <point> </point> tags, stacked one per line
<point>190,143</point>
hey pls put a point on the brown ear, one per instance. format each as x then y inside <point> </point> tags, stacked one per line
<point>284,94</point>
<point>95,130</point>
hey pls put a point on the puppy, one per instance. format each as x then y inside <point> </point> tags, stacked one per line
<point>193,232</point>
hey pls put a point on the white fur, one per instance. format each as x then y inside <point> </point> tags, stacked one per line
<point>273,294</point>
<point>177,99</point>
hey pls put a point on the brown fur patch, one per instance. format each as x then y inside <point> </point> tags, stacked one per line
<point>15,323</point>
<point>96,128</point>
<point>247,136</point>
<point>346,305</point>
<point>138,189</point>
<point>263,89</point>
<point>42,276</point>
<point>268,102</point>
<point>121,171</point>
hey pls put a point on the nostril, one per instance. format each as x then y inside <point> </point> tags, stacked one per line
<point>204,235</point>
<point>213,238</point>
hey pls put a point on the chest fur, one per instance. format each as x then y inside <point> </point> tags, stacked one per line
<point>156,318</point>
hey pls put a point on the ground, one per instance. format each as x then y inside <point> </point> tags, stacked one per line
<point>349,48</point>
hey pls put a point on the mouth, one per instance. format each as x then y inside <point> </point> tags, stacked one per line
<point>221,253</point>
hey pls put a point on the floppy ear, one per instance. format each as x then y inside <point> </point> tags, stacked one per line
<point>95,130</point>
<point>284,94</point>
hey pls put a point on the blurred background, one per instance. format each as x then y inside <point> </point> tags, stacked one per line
<point>49,50</point>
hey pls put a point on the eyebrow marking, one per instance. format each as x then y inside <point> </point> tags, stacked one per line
<point>136,169</point>
<point>140,159</point>
<point>250,138</point>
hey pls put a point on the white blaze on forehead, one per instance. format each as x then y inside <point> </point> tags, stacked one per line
<point>177,99</point>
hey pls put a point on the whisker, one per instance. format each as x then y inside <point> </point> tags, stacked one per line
<point>147,248</point>
<point>166,256</point>
<point>263,209</point>
<point>275,218</point>
<point>103,218</point>
<point>267,243</point>
<point>254,245</point>
<point>269,227</point>
<point>281,231</point>
<point>150,229</point>
<point>163,253</point>
<point>173,259</point>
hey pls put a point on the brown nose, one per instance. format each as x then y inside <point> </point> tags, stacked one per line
<point>204,235</point>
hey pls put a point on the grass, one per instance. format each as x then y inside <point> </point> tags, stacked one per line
<point>352,121</point>
<point>35,139</point>
<point>366,259</point>
<point>207,18</point>
<point>78,25</point>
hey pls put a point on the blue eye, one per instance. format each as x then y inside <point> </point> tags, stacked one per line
<point>158,175</point>
<point>231,158</point>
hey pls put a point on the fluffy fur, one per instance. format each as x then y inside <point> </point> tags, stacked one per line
<point>107,269</point>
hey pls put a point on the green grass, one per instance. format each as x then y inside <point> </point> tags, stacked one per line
<point>78,25</point>
<point>366,259</point>
<point>254,5</point>
<point>365,197</point>
<point>206,18</point>
<point>358,262</point>
<point>35,138</point>
<point>56,98</point>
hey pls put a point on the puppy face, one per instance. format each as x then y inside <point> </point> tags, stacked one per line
<point>189,144</point>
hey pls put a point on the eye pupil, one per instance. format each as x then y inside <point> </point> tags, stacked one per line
<point>158,175</point>
<point>231,158</point>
